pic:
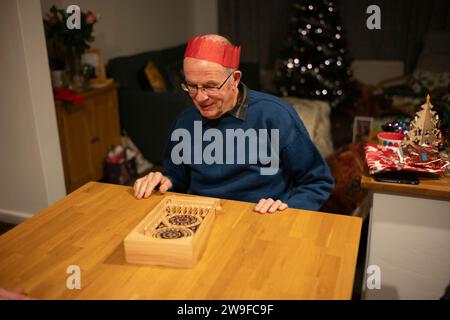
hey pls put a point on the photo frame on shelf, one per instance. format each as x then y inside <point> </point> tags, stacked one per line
<point>94,67</point>
<point>361,129</point>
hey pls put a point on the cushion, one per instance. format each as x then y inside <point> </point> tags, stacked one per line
<point>315,115</point>
<point>347,166</point>
<point>155,78</point>
<point>424,81</point>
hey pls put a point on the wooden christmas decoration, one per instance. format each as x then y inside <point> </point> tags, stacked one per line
<point>425,127</point>
<point>174,233</point>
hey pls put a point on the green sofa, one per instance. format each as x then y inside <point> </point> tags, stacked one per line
<point>148,116</point>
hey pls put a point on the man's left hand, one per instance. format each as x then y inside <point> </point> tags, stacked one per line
<point>269,206</point>
<point>13,295</point>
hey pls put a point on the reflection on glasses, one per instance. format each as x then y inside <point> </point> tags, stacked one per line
<point>207,89</point>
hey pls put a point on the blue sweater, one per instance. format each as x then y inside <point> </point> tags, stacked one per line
<point>303,179</point>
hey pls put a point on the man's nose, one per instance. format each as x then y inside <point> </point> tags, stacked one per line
<point>201,96</point>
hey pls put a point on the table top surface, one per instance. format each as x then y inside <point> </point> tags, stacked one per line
<point>433,186</point>
<point>293,254</point>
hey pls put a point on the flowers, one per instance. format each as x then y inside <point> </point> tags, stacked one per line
<point>65,46</point>
<point>56,30</point>
<point>91,18</point>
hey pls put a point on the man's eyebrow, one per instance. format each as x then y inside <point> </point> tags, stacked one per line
<point>209,82</point>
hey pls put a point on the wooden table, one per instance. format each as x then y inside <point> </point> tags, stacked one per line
<point>290,255</point>
<point>409,235</point>
<point>432,187</point>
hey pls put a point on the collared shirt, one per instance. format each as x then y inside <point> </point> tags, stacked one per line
<point>239,111</point>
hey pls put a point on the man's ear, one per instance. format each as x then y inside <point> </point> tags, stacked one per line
<point>237,77</point>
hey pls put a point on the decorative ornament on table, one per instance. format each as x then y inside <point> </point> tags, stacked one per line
<point>398,126</point>
<point>425,127</point>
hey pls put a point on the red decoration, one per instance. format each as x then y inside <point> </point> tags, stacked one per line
<point>67,95</point>
<point>214,51</point>
<point>383,159</point>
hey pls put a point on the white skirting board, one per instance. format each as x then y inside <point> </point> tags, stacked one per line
<point>13,217</point>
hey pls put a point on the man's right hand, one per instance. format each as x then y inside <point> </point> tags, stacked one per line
<point>144,187</point>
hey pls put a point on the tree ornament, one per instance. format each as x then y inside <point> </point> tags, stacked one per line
<point>425,127</point>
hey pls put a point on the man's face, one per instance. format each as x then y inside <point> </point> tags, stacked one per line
<point>209,74</point>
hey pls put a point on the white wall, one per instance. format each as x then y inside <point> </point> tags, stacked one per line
<point>204,16</point>
<point>128,27</point>
<point>31,173</point>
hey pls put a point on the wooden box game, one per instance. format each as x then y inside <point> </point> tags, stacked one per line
<point>174,233</point>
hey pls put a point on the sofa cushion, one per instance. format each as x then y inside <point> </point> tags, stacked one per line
<point>315,115</point>
<point>424,81</point>
<point>155,78</point>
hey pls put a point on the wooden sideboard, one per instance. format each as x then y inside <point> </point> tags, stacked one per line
<point>86,133</point>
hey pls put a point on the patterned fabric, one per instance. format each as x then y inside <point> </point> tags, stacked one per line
<point>384,159</point>
<point>315,115</point>
<point>425,81</point>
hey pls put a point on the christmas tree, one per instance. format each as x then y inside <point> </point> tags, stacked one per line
<point>425,126</point>
<point>314,63</point>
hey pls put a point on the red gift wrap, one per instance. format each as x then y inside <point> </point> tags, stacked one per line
<point>406,157</point>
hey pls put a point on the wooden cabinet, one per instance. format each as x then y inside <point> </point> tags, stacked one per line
<point>86,133</point>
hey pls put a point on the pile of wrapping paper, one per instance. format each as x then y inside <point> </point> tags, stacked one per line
<point>407,157</point>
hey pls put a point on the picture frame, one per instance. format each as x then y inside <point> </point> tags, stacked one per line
<point>93,66</point>
<point>361,129</point>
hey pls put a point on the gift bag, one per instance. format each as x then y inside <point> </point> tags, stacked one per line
<point>120,166</point>
<point>142,165</point>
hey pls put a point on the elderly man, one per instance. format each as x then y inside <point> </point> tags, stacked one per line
<point>294,175</point>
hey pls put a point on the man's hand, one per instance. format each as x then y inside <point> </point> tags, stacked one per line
<point>144,187</point>
<point>13,295</point>
<point>269,206</point>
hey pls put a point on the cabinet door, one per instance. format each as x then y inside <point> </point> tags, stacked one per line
<point>75,136</point>
<point>104,128</point>
<point>96,152</point>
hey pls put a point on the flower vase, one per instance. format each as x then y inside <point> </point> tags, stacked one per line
<point>74,70</point>
<point>57,77</point>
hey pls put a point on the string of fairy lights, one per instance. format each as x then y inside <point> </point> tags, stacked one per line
<point>314,64</point>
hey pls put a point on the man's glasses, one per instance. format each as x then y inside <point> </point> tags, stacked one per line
<point>207,89</point>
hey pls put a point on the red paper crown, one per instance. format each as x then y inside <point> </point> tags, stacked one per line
<point>219,52</point>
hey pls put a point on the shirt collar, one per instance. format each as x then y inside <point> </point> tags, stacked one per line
<point>239,111</point>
